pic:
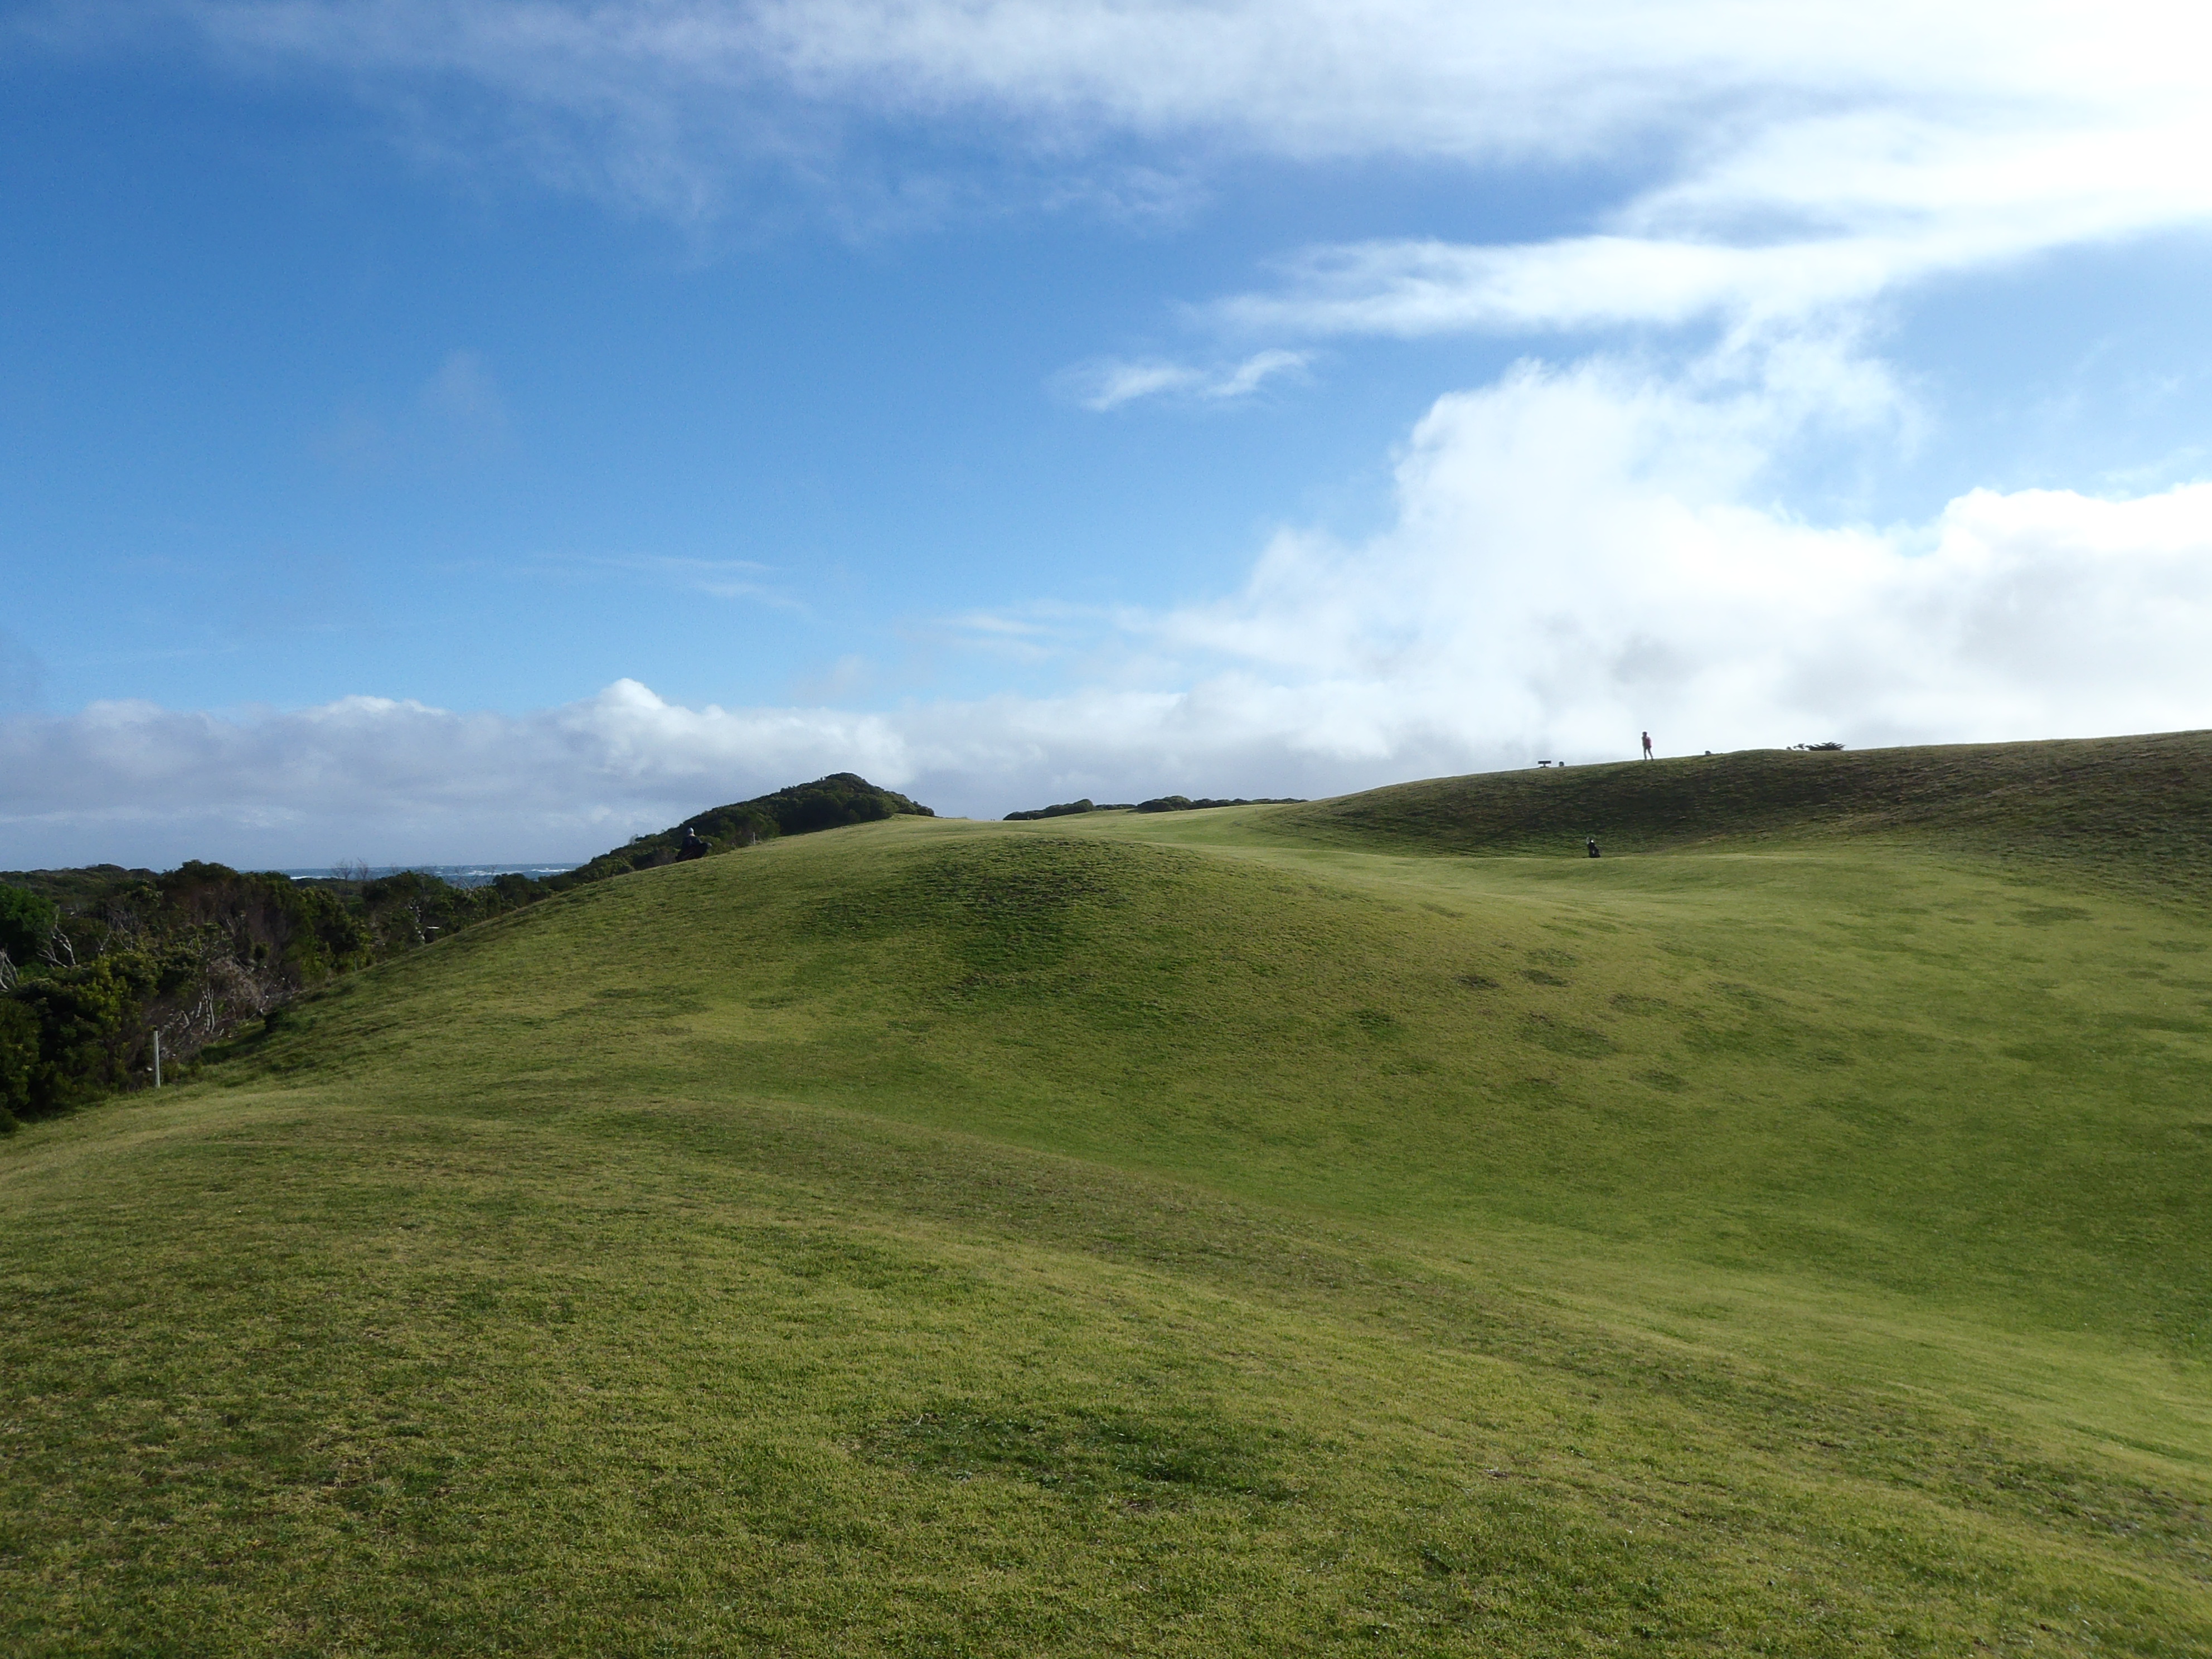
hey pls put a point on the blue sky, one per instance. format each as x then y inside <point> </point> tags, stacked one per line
<point>473,429</point>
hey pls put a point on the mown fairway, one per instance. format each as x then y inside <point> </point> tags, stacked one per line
<point>1260,1231</point>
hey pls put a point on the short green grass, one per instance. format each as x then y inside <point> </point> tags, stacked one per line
<point>1258,1231</point>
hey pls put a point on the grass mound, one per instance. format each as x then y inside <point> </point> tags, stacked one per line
<point>1226,1233</point>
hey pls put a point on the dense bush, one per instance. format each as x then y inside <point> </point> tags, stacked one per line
<point>26,922</point>
<point>192,954</point>
<point>18,1055</point>
<point>75,1034</point>
<point>1159,804</point>
<point>1069,810</point>
<point>1185,804</point>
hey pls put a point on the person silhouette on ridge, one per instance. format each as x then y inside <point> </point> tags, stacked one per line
<point>1647,745</point>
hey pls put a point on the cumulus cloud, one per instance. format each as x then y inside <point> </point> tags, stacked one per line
<point>1581,554</point>
<point>135,781</point>
<point>1577,555</point>
<point>1109,383</point>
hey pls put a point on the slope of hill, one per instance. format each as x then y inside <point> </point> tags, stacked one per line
<point>1159,1234</point>
<point>2139,809</point>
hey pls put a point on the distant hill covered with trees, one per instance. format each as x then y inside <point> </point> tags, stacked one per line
<point>830,803</point>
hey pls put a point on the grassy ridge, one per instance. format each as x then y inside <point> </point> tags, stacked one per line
<point>2138,810</point>
<point>1156,1235</point>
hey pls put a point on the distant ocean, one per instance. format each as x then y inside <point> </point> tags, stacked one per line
<point>453,875</point>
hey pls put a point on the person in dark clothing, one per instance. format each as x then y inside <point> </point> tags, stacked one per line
<point>694,845</point>
<point>1591,843</point>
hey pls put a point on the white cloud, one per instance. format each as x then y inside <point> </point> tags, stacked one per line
<point>1245,378</point>
<point>1413,287</point>
<point>1792,160</point>
<point>1109,383</point>
<point>1581,555</point>
<point>1872,119</point>
<point>1577,556</point>
<point>1296,77</point>
<point>136,782</point>
<point>719,578</point>
<point>1810,220</point>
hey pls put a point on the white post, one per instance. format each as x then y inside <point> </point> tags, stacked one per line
<point>157,1060</point>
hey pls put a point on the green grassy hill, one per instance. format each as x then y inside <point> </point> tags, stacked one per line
<point>1257,1231</point>
<point>2138,810</point>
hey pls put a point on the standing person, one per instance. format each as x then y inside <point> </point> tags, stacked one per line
<point>1647,745</point>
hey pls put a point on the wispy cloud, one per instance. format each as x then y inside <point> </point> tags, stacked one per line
<point>465,398</point>
<point>1109,383</point>
<point>720,579</point>
<point>1794,158</point>
<point>1039,632</point>
<point>457,412</point>
<point>1752,242</point>
<point>1797,161</point>
<point>1890,103</point>
<point>1292,76</point>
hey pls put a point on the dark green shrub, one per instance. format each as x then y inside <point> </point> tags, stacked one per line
<point>1069,810</point>
<point>19,1058</point>
<point>26,921</point>
<point>87,1025</point>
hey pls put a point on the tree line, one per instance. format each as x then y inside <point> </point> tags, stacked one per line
<point>1157,804</point>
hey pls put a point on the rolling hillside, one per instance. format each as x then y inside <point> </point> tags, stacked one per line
<point>2136,810</point>
<point>1252,1232</point>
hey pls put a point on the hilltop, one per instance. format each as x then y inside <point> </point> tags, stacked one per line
<point>2133,809</point>
<point>1267,1229</point>
<point>800,809</point>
